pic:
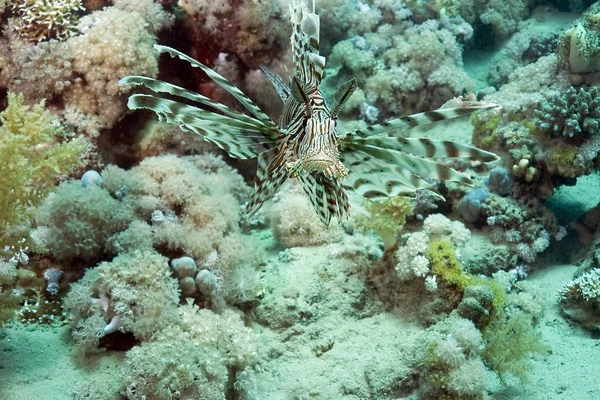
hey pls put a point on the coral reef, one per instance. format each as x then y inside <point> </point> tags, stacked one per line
<point>400,67</point>
<point>453,367</point>
<point>579,49</point>
<point>133,293</point>
<point>580,298</point>
<point>170,293</point>
<point>181,205</point>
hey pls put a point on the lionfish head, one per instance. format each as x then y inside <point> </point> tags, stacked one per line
<point>318,150</point>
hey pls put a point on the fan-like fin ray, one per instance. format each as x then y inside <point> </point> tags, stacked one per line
<point>268,183</point>
<point>165,87</point>
<point>430,148</point>
<point>239,139</point>
<point>327,196</point>
<point>308,64</point>
<point>223,83</point>
<point>377,179</point>
<point>422,167</point>
<point>398,126</point>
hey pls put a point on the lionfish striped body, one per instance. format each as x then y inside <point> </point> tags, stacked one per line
<point>377,162</point>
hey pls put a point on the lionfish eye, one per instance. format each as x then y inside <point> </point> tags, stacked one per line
<point>342,94</point>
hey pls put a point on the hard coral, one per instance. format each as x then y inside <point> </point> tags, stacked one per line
<point>40,20</point>
<point>575,112</point>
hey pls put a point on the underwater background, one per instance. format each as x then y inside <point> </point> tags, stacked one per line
<point>129,270</point>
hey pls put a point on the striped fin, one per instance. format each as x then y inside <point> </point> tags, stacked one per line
<point>399,126</point>
<point>422,167</point>
<point>308,64</point>
<point>377,173</point>
<point>282,89</point>
<point>223,83</point>
<point>429,148</point>
<point>268,183</point>
<point>240,139</point>
<point>327,196</point>
<point>165,87</point>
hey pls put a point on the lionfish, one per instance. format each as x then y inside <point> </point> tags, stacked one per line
<point>376,162</point>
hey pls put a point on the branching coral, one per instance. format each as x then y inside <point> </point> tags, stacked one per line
<point>574,112</point>
<point>585,287</point>
<point>39,20</point>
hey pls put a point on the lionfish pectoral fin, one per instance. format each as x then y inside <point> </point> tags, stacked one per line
<point>327,196</point>
<point>400,126</point>
<point>384,163</point>
<point>378,173</point>
<point>240,135</point>
<point>428,148</point>
<point>268,180</point>
<point>241,139</point>
<point>223,83</point>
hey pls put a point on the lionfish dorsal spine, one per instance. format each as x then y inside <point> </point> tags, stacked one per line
<point>308,64</point>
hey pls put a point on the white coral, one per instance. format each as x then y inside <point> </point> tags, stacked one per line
<point>585,287</point>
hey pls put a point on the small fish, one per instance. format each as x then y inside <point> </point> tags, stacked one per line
<point>377,162</point>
